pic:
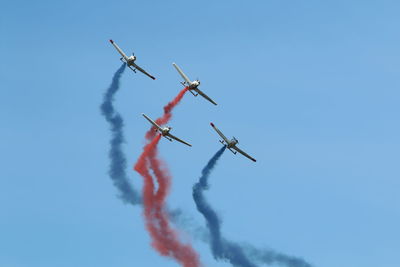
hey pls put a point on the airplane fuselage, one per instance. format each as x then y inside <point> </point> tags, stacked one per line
<point>194,84</point>
<point>130,60</point>
<point>164,131</point>
<point>232,143</point>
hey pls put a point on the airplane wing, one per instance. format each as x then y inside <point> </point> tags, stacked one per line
<point>244,153</point>
<point>182,74</point>
<point>152,122</point>
<point>119,50</point>
<point>220,133</point>
<point>177,139</point>
<point>204,95</point>
<point>142,70</point>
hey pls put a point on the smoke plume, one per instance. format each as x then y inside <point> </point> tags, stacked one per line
<point>164,238</point>
<point>222,249</point>
<point>117,168</point>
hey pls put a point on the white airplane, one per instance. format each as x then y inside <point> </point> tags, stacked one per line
<point>231,144</point>
<point>130,61</point>
<point>165,131</point>
<point>193,86</point>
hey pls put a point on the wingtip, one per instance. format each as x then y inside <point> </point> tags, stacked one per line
<point>111,41</point>
<point>153,77</point>
<point>212,124</point>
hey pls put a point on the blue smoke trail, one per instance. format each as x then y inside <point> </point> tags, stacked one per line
<point>236,254</point>
<point>117,157</point>
<point>220,248</point>
<point>117,170</point>
<point>268,256</point>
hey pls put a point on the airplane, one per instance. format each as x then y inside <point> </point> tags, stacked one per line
<point>192,85</point>
<point>165,131</point>
<point>130,61</point>
<point>231,144</point>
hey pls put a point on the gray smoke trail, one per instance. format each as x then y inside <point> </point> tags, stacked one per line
<point>236,254</point>
<point>117,170</point>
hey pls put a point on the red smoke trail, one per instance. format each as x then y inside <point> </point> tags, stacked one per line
<point>164,238</point>
<point>167,113</point>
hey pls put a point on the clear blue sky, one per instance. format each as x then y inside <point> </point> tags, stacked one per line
<point>310,89</point>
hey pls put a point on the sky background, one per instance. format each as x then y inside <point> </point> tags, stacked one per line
<point>310,89</point>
